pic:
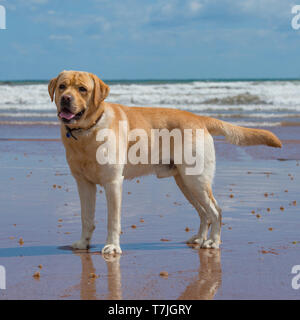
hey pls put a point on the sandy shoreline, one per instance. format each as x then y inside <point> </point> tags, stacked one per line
<point>39,204</point>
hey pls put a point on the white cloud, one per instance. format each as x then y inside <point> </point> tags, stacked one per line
<point>195,6</point>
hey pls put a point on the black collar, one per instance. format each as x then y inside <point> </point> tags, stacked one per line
<point>69,132</point>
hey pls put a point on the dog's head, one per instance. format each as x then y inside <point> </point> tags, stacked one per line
<point>78,95</point>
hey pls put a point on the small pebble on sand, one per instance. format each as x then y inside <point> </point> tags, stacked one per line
<point>164,274</point>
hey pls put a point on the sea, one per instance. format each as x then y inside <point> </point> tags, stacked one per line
<point>252,103</point>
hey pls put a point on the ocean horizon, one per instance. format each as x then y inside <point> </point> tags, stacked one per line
<point>152,80</point>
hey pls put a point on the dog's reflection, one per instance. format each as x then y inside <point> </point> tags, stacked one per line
<point>209,279</point>
<point>87,282</point>
<point>89,277</point>
<point>114,277</point>
<point>203,287</point>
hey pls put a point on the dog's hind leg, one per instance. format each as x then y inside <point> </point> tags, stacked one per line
<point>87,194</point>
<point>201,236</point>
<point>198,188</point>
<point>216,214</point>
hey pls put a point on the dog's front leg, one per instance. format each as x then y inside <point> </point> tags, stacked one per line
<point>113,191</point>
<point>87,194</point>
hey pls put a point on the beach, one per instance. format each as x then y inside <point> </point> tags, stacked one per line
<point>257,188</point>
<point>88,70</point>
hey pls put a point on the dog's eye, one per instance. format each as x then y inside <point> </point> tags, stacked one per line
<point>82,89</point>
<point>62,87</point>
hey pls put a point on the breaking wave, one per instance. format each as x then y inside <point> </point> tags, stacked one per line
<point>260,103</point>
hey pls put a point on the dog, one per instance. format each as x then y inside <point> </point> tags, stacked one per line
<point>83,113</point>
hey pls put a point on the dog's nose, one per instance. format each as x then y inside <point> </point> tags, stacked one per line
<point>66,100</point>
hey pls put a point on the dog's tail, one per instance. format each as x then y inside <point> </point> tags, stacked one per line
<point>241,136</point>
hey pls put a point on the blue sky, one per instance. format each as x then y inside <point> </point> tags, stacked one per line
<point>157,39</point>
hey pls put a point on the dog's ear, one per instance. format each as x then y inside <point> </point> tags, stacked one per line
<point>51,87</point>
<point>101,90</point>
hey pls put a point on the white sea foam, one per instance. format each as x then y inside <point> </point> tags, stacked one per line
<point>256,102</point>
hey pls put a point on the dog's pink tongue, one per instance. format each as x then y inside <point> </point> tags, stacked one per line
<point>66,115</point>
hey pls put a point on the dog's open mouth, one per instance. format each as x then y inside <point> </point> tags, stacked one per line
<point>67,116</point>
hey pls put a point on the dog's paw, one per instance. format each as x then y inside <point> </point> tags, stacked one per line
<point>196,240</point>
<point>80,244</point>
<point>210,244</point>
<point>111,249</point>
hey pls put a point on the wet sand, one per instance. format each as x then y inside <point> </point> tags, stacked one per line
<point>255,186</point>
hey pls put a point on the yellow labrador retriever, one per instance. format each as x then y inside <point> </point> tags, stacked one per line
<point>83,113</point>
